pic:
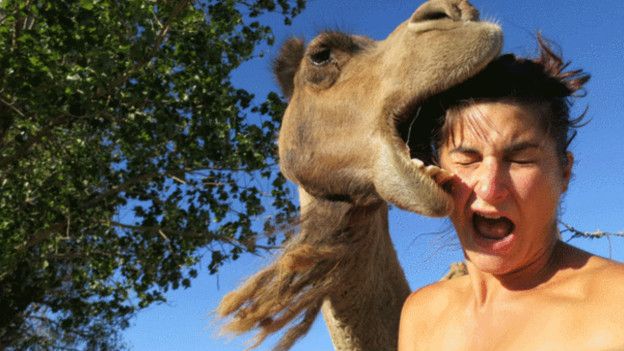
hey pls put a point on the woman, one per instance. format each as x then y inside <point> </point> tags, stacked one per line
<point>504,138</point>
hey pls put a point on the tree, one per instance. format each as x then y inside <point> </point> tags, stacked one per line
<point>126,155</point>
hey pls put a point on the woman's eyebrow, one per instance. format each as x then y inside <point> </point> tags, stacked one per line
<point>461,149</point>
<point>521,146</point>
<point>513,148</point>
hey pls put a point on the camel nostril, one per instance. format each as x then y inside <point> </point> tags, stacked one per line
<point>430,16</point>
<point>433,13</point>
<point>456,10</point>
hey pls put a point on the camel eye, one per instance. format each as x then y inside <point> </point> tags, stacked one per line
<point>321,56</point>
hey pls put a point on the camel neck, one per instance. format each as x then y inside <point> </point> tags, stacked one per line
<point>362,310</point>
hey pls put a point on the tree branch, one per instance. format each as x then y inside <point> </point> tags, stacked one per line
<point>12,107</point>
<point>158,230</point>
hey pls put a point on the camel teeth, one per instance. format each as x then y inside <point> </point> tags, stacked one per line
<point>433,170</point>
<point>418,163</point>
<point>438,174</point>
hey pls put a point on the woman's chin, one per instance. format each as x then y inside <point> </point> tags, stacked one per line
<point>492,256</point>
<point>490,251</point>
<point>494,265</point>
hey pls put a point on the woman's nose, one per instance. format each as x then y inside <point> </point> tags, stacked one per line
<point>491,182</point>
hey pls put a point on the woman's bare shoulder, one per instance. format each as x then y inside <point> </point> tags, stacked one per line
<point>596,278</point>
<point>607,274</point>
<point>424,308</point>
<point>591,269</point>
<point>447,286</point>
<point>438,296</point>
<point>604,300</point>
<point>591,265</point>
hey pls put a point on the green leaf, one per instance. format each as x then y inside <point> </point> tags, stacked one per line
<point>87,4</point>
<point>126,154</point>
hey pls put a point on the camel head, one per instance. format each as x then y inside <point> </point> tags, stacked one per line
<point>347,132</point>
<point>349,137</point>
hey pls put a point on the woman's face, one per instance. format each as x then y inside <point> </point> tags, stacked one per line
<point>507,186</point>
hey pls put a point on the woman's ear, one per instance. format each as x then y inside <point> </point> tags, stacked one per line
<point>567,170</point>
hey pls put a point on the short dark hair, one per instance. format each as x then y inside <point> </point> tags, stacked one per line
<point>542,82</point>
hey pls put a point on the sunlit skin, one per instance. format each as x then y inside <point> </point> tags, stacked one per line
<point>526,290</point>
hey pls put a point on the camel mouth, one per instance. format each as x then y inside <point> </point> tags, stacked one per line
<point>417,125</point>
<point>419,120</point>
<point>417,128</point>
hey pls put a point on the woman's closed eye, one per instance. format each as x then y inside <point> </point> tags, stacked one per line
<point>523,153</point>
<point>466,161</point>
<point>525,157</point>
<point>522,160</point>
<point>466,158</point>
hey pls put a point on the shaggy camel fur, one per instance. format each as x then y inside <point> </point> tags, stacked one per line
<point>346,141</point>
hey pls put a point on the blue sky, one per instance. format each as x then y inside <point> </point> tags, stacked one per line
<point>590,34</point>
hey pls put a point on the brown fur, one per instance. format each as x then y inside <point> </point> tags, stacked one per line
<point>341,142</point>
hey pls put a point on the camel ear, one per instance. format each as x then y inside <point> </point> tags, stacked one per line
<point>286,64</point>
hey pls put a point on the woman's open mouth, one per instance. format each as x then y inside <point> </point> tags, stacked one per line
<point>493,233</point>
<point>492,227</point>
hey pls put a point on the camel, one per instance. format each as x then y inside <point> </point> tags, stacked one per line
<point>349,142</point>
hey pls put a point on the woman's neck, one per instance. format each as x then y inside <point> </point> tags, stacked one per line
<point>491,288</point>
